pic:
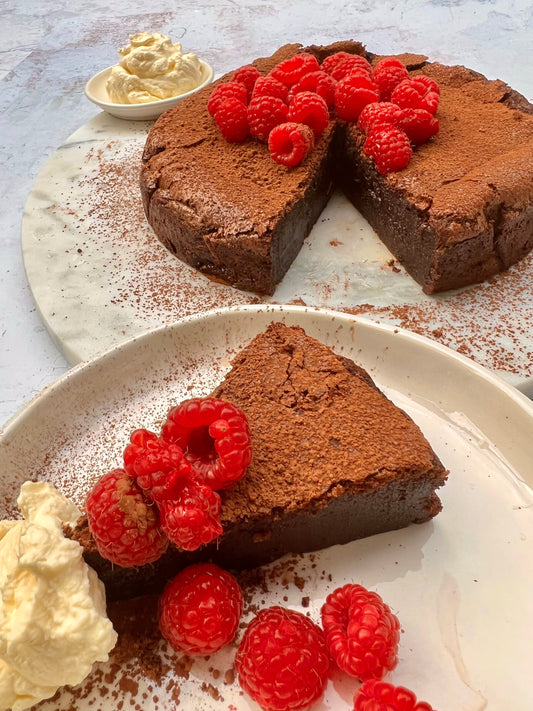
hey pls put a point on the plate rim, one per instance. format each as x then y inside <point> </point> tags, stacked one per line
<point>481,374</point>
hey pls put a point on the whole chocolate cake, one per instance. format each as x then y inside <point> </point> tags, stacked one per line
<point>461,211</point>
<point>333,460</point>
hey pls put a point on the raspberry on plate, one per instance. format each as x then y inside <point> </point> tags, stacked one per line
<point>222,92</point>
<point>265,112</point>
<point>352,94</point>
<point>290,142</point>
<point>292,70</point>
<point>231,117</point>
<point>192,518</point>
<point>376,695</point>
<point>387,74</point>
<point>361,632</point>
<point>125,527</point>
<point>200,609</point>
<point>283,661</point>
<point>311,109</point>
<point>157,466</point>
<point>215,437</point>
<point>389,147</point>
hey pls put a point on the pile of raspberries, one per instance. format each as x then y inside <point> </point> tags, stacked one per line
<point>291,106</point>
<point>167,492</point>
<point>167,489</point>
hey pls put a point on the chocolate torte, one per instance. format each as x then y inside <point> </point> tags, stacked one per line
<point>334,460</point>
<point>461,211</point>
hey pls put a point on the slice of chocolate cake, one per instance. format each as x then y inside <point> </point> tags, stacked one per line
<point>461,211</point>
<point>333,460</point>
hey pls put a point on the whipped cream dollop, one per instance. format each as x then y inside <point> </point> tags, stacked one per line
<point>53,621</point>
<point>152,68</point>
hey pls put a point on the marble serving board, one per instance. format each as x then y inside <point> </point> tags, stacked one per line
<point>99,275</point>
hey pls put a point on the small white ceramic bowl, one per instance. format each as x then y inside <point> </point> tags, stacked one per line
<point>95,91</point>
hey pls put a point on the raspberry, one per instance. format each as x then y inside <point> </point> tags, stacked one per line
<point>417,93</point>
<point>292,70</point>
<point>353,64</point>
<point>319,82</point>
<point>223,91</point>
<point>264,113</point>
<point>289,143</point>
<point>419,125</point>
<point>268,86</point>
<point>389,147</point>
<point>282,661</point>
<point>387,74</point>
<point>333,60</point>
<point>125,528</point>
<point>352,94</point>
<point>200,609</point>
<point>310,109</point>
<point>376,695</point>
<point>192,518</point>
<point>247,75</point>
<point>215,437</point>
<point>427,82</point>
<point>157,466</point>
<point>231,117</point>
<point>361,632</point>
<point>378,113</point>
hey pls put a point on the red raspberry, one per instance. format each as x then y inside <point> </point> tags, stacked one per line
<point>376,695</point>
<point>282,661</point>
<point>420,125</point>
<point>289,143</point>
<point>330,63</point>
<point>427,82</point>
<point>387,74</point>
<point>247,75</point>
<point>231,117</point>
<point>200,609</point>
<point>352,94</point>
<point>292,70</point>
<point>378,113</point>
<point>319,82</point>
<point>215,437</point>
<point>417,93</point>
<point>264,113</point>
<point>223,91</point>
<point>192,518</point>
<point>310,109</point>
<point>389,147</point>
<point>157,466</point>
<point>125,528</point>
<point>268,86</point>
<point>353,64</point>
<point>361,631</point>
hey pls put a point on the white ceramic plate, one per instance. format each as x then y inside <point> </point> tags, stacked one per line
<point>98,274</point>
<point>460,585</point>
<point>96,91</point>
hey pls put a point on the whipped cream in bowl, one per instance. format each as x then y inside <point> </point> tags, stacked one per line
<point>153,74</point>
